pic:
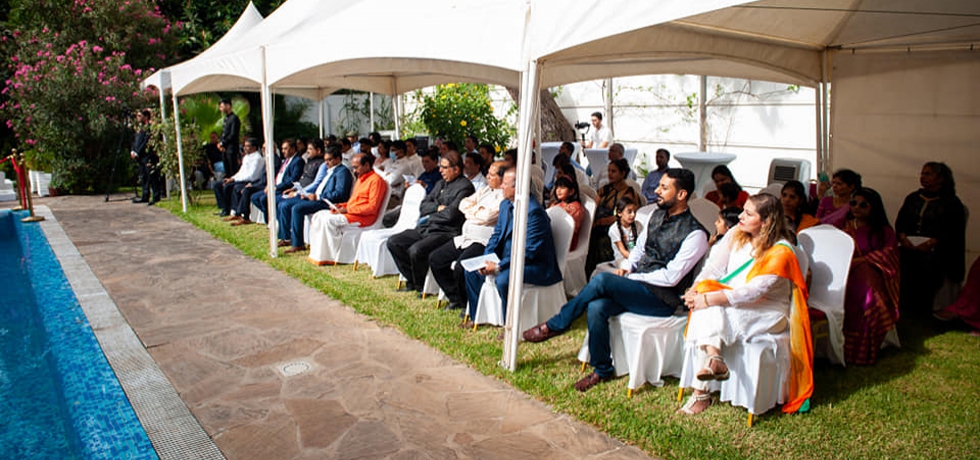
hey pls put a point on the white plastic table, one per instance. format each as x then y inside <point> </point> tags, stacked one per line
<point>701,164</point>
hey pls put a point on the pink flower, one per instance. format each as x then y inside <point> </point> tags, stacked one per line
<point>31,141</point>
<point>97,49</point>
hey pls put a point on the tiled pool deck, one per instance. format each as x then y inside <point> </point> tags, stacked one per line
<point>195,304</point>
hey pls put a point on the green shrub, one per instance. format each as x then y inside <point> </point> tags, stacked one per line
<point>454,111</point>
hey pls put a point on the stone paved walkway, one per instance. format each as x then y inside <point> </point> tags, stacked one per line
<point>370,392</point>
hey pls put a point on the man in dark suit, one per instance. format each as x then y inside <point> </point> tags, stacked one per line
<point>540,262</point>
<point>147,160</point>
<point>440,221</point>
<point>335,187</point>
<point>228,144</point>
<point>287,173</point>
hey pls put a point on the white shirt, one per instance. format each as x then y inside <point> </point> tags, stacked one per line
<point>478,181</point>
<point>615,237</point>
<point>481,210</point>
<point>598,136</point>
<point>414,163</point>
<point>693,248</point>
<point>347,157</point>
<point>252,168</point>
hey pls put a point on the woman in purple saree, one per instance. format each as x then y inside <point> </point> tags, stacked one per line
<point>871,302</point>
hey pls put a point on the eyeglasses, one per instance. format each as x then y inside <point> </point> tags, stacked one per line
<point>860,204</point>
<point>444,167</point>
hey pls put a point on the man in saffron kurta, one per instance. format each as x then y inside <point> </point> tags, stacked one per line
<point>363,208</point>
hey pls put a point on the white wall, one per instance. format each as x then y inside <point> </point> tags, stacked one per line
<point>757,121</point>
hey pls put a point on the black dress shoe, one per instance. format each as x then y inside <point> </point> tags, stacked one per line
<point>152,202</point>
<point>406,288</point>
<point>140,200</point>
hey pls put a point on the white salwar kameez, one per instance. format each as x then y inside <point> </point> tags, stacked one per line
<point>756,307</point>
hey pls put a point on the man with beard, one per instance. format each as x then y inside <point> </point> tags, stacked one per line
<point>661,270</point>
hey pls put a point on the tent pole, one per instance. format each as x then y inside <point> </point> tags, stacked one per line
<point>703,114</point>
<point>319,115</point>
<point>329,127</point>
<point>608,106</point>
<point>530,86</point>
<point>818,106</point>
<point>163,104</point>
<point>371,110</point>
<point>270,152</point>
<point>824,99</point>
<point>180,156</point>
<point>394,107</point>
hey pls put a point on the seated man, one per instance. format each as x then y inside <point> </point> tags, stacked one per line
<point>472,165</point>
<point>480,210</point>
<point>314,172</point>
<point>288,172</point>
<point>363,207</point>
<point>540,261</point>
<point>616,151</point>
<point>430,170</point>
<point>440,221</point>
<point>335,188</point>
<point>652,181</point>
<point>251,170</point>
<point>662,263</point>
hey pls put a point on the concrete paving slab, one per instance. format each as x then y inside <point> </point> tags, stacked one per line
<point>362,392</point>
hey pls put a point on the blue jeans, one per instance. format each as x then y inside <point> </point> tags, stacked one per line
<point>605,296</point>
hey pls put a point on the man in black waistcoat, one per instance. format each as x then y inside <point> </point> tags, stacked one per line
<point>440,222</point>
<point>662,263</point>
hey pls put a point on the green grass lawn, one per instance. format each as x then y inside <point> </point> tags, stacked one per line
<point>920,401</point>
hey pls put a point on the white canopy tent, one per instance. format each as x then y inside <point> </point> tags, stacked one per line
<point>161,79</point>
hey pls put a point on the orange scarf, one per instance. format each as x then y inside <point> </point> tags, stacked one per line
<point>780,260</point>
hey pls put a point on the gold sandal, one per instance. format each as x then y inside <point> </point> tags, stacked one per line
<point>706,373</point>
<point>695,398</point>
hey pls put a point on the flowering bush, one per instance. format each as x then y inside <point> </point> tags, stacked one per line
<point>76,67</point>
<point>454,111</point>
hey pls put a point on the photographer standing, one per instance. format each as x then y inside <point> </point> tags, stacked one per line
<point>600,137</point>
<point>147,160</point>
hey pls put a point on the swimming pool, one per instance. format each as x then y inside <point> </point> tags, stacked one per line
<point>61,399</point>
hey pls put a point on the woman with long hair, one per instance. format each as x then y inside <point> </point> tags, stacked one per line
<point>931,227</point>
<point>600,249</point>
<point>750,286</point>
<point>871,301</point>
<point>833,209</point>
<point>566,196</point>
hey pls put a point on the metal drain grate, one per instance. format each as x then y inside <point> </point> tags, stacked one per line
<point>294,368</point>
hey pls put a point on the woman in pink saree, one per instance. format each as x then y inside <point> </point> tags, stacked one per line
<point>871,302</point>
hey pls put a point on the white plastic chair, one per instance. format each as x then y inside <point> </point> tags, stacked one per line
<point>830,252</point>
<point>589,204</point>
<point>574,274</point>
<point>645,347</point>
<point>705,212</point>
<point>320,252</point>
<point>538,303</point>
<point>643,214</point>
<point>373,250</point>
<point>775,189</point>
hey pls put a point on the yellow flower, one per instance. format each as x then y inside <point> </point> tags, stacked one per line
<point>496,148</point>
<point>462,123</point>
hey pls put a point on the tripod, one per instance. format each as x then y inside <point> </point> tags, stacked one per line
<point>127,125</point>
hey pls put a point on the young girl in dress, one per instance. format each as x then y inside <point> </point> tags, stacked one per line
<point>622,235</point>
<point>727,218</point>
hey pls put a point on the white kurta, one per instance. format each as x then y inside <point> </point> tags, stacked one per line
<point>757,307</point>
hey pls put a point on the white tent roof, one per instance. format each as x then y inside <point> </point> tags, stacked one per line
<point>774,40</point>
<point>369,47</point>
<point>248,19</point>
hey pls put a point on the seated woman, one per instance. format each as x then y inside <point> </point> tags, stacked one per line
<point>566,197</point>
<point>931,227</point>
<point>751,285</point>
<point>722,175</point>
<point>600,249</point>
<point>833,209</point>
<point>871,302</point>
<point>794,207</point>
<point>967,305</point>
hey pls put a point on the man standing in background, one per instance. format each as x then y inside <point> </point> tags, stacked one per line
<point>229,138</point>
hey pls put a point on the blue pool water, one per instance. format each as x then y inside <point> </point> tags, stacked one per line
<point>59,399</point>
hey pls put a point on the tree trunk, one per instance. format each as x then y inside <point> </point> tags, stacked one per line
<point>554,125</point>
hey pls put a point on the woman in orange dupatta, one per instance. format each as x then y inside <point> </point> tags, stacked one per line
<point>751,285</point>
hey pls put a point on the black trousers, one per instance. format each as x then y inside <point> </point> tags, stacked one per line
<point>223,193</point>
<point>450,279</point>
<point>151,181</point>
<point>410,250</point>
<point>244,200</point>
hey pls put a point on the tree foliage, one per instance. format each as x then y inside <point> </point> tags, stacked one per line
<point>454,111</point>
<point>75,70</point>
